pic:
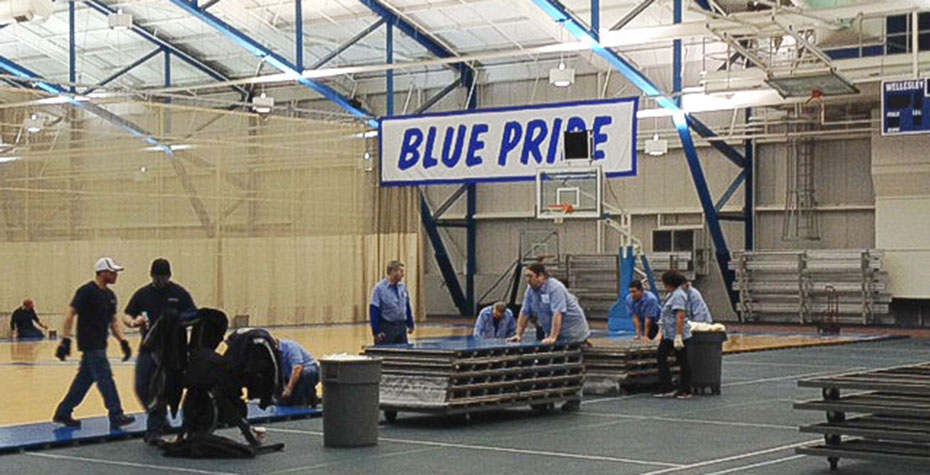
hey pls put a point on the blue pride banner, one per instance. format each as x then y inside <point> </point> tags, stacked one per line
<point>504,144</point>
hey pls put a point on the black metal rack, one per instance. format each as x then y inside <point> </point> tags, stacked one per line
<point>892,422</point>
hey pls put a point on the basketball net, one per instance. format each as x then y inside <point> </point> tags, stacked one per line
<point>559,211</point>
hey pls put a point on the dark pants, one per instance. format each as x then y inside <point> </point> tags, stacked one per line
<point>394,333</point>
<point>666,348</point>
<point>157,413</point>
<point>305,391</point>
<point>30,332</point>
<point>95,368</point>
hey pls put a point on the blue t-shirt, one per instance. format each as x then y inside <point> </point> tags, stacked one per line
<point>553,297</point>
<point>697,306</point>
<point>676,301</point>
<point>393,300</point>
<point>646,307</point>
<point>292,354</point>
<point>486,327</point>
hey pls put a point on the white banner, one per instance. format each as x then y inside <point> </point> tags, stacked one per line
<point>506,144</point>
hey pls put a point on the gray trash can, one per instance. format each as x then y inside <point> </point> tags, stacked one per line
<point>350,401</point>
<point>705,356</point>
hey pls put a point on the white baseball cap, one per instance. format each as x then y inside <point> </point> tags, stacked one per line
<point>107,263</point>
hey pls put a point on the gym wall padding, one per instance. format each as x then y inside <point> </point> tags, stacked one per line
<point>278,218</point>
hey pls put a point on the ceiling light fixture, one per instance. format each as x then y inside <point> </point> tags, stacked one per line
<point>119,21</point>
<point>33,124</point>
<point>561,76</point>
<point>263,104</point>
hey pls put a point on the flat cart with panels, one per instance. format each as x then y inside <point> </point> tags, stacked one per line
<point>466,375</point>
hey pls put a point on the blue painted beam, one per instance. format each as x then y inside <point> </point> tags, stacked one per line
<point>348,44</point>
<point>422,37</point>
<point>150,36</point>
<point>124,70</point>
<point>389,77</point>
<point>749,200</point>
<point>299,40</point>
<point>275,60</point>
<point>167,68</point>
<point>677,67</point>
<point>731,190</point>
<point>72,53</point>
<point>438,96</point>
<point>39,83</point>
<point>729,152</point>
<point>710,213</point>
<point>430,226</point>
<point>596,19</point>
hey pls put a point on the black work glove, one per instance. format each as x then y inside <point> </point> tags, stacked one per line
<point>64,349</point>
<point>127,350</point>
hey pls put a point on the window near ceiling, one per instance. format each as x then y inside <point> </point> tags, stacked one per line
<point>898,30</point>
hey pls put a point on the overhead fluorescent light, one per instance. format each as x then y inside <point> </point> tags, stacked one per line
<point>656,147</point>
<point>174,148</point>
<point>119,21</point>
<point>367,135</point>
<point>263,104</point>
<point>33,124</point>
<point>562,76</point>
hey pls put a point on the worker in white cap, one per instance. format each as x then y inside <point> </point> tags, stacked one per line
<point>94,306</point>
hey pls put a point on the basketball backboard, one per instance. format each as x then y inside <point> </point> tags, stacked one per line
<point>576,188</point>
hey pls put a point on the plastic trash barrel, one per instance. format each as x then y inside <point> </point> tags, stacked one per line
<point>705,356</point>
<point>350,400</point>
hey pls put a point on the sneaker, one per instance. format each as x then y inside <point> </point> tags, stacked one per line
<point>667,395</point>
<point>683,395</point>
<point>121,420</point>
<point>68,421</point>
<point>154,438</point>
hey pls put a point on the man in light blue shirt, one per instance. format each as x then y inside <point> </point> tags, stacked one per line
<point>676,331</point>
<point>556,310</point>
<point>643,307</point>
<point>697,307</point>
<point>495,321</point>
<point>391,314</point>
<point>302,373</point>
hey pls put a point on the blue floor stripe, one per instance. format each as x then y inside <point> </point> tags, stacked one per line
<point>97,429</point>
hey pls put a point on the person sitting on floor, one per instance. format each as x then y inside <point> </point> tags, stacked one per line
<point>22,319</point>
<point>495,321</point>
<point>302,373</point>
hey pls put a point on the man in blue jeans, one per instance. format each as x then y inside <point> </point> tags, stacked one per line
<point>143,310</point>
<point>302,373</point>
<point>94,306</point>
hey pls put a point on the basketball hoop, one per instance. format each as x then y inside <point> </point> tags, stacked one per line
<point>558,211</point>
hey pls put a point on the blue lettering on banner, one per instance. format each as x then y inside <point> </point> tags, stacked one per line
<point>409,152</point>
<point>428,160</point>
<point>452,159</point>
<point>576,124</point>
<point>512,134</point>
<point>554,140</point>
<point>599,137</point>
<point>475,144</point>
<point>535,134</point>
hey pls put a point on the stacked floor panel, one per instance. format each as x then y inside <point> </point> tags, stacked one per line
<point>886,417</point>
<point>623,365</point>
<point>465,375</point>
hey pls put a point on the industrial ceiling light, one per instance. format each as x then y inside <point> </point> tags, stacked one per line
<point>562,76</point>
<point>33,124</point>
<point>656,147</point>
<point>263,104</point>
<point>119,21</point>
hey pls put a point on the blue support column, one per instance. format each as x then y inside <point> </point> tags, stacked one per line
<point>677,69</point>
<point>619,319</point>
<point>299,23</point>
<point>389,33</point>
<point>731,190</point>
<point>167,68</point>
<point>471,267</point>
<point>749,236</point>
<point>72,53</point>
<point>442,258</point>
<point>596,19</point>
<point>721,251</point>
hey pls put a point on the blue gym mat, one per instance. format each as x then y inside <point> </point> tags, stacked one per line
<point>97,429</point>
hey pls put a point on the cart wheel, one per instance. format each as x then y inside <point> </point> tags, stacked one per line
<point>834,462</point>
<point>541,408</point>
<point>573,405</point>
<point>390,416</point>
